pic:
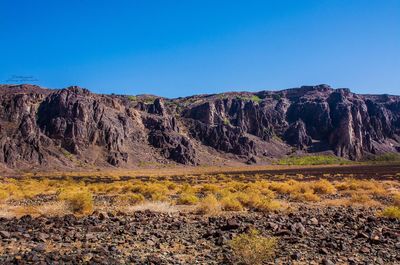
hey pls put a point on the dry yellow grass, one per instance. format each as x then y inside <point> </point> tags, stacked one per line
<point>323,186</point>
<point>307,196</point>
<point>209,205</point>
<point>130,199</point>
<point>209,188</point>
<point>396,199</point>
<point>78,201</point>
<point>391,212</point>
<point>187,198</point>
<point>362,186</point>
<point>227,193</point>
<point>161,207</point>
<point>360,198</point>
<point>230,203</point>
<point>252,248</point>
<point>4,195</point>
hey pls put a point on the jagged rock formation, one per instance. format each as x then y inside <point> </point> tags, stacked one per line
<point>74,127</point>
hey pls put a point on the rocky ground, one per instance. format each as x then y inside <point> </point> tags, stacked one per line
<point>330,235</point>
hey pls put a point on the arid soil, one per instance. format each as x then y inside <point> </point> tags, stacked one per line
<point>326,215</point>
<point>333,235</point>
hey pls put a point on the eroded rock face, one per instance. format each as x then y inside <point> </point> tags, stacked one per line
<point>42,127</point>
<point>313,118</point>
<point>297,135</point>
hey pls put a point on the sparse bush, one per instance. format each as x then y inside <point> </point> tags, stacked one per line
<point>132,98</point>
<point>209,188</point>
<point>252,248</point>
<point>151,191</point>
<point>361,186</point>
<point>186,188</point>
<point>359,198</point>
<point>227,122</point>
<point>3,195</point>
<point>256,99</point>
<point>323,187</point>
<point>78,201</point>
<point>249,200</point>
<point>283,187</point>
<point>392,212</point>
<point>396,199</point>
<point>306,196</point>
<point>266,205</point>
<point>131,198</point>
<point>230,203</point>
<point>209,205</point>
<point>256,202</point>
<point>187,198</point>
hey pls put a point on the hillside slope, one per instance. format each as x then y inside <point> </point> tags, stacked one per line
<point>73,128</point>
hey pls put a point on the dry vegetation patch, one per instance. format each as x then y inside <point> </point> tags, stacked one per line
<point>78,201</point>
<point>391,212</point>
<point>202,194</point>
<point>252,248</point>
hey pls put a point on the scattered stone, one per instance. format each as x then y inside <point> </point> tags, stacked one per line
<point>5,234</point>
<point>323,251</point>
<point>231,224</point>
<point>314,221</point>
<point>181,238</point>
<point>327,262</point>
<point>296,256</point>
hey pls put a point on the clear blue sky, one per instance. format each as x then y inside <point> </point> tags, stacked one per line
<point>177,48</point>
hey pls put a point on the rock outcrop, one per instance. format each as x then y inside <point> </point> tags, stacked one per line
<point>74,127</point>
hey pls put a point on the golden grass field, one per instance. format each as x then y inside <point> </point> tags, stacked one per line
<point>203,190</point>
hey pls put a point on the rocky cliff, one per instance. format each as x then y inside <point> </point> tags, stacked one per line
<point>72,127</point>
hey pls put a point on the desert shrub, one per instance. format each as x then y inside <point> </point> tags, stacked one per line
<point>235,186</point>
<point>266,205</point>
<point>362,186</point>
<point>312,160</point>
<point>292,186</point>
<point>208,205</point>
<point>132,98</point>
<point>282,187</point>
<point>187,198</point>
<point>78,201</point>
<point>126,187</point>
<point>230,203</point>
<point>209,188</point>
<point>357,198</point>
<point>131,198</point>
<point>248,200</point>
<point>170,185</point>
<point>256,202</point>
<point>306,196</point>
<point>3,195</point>
<point>256,99</point>
<point>151,191</point>
<point>252,248</point>
<point>323,187</point>
<point>396,199</point>
<point>226,121</point>
<point>391,212</point>
<point>224,192</point>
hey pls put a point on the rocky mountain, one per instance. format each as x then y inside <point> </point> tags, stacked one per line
<point>72,127</point>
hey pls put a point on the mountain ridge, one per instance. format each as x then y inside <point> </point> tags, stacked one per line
<point>74,128</point>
